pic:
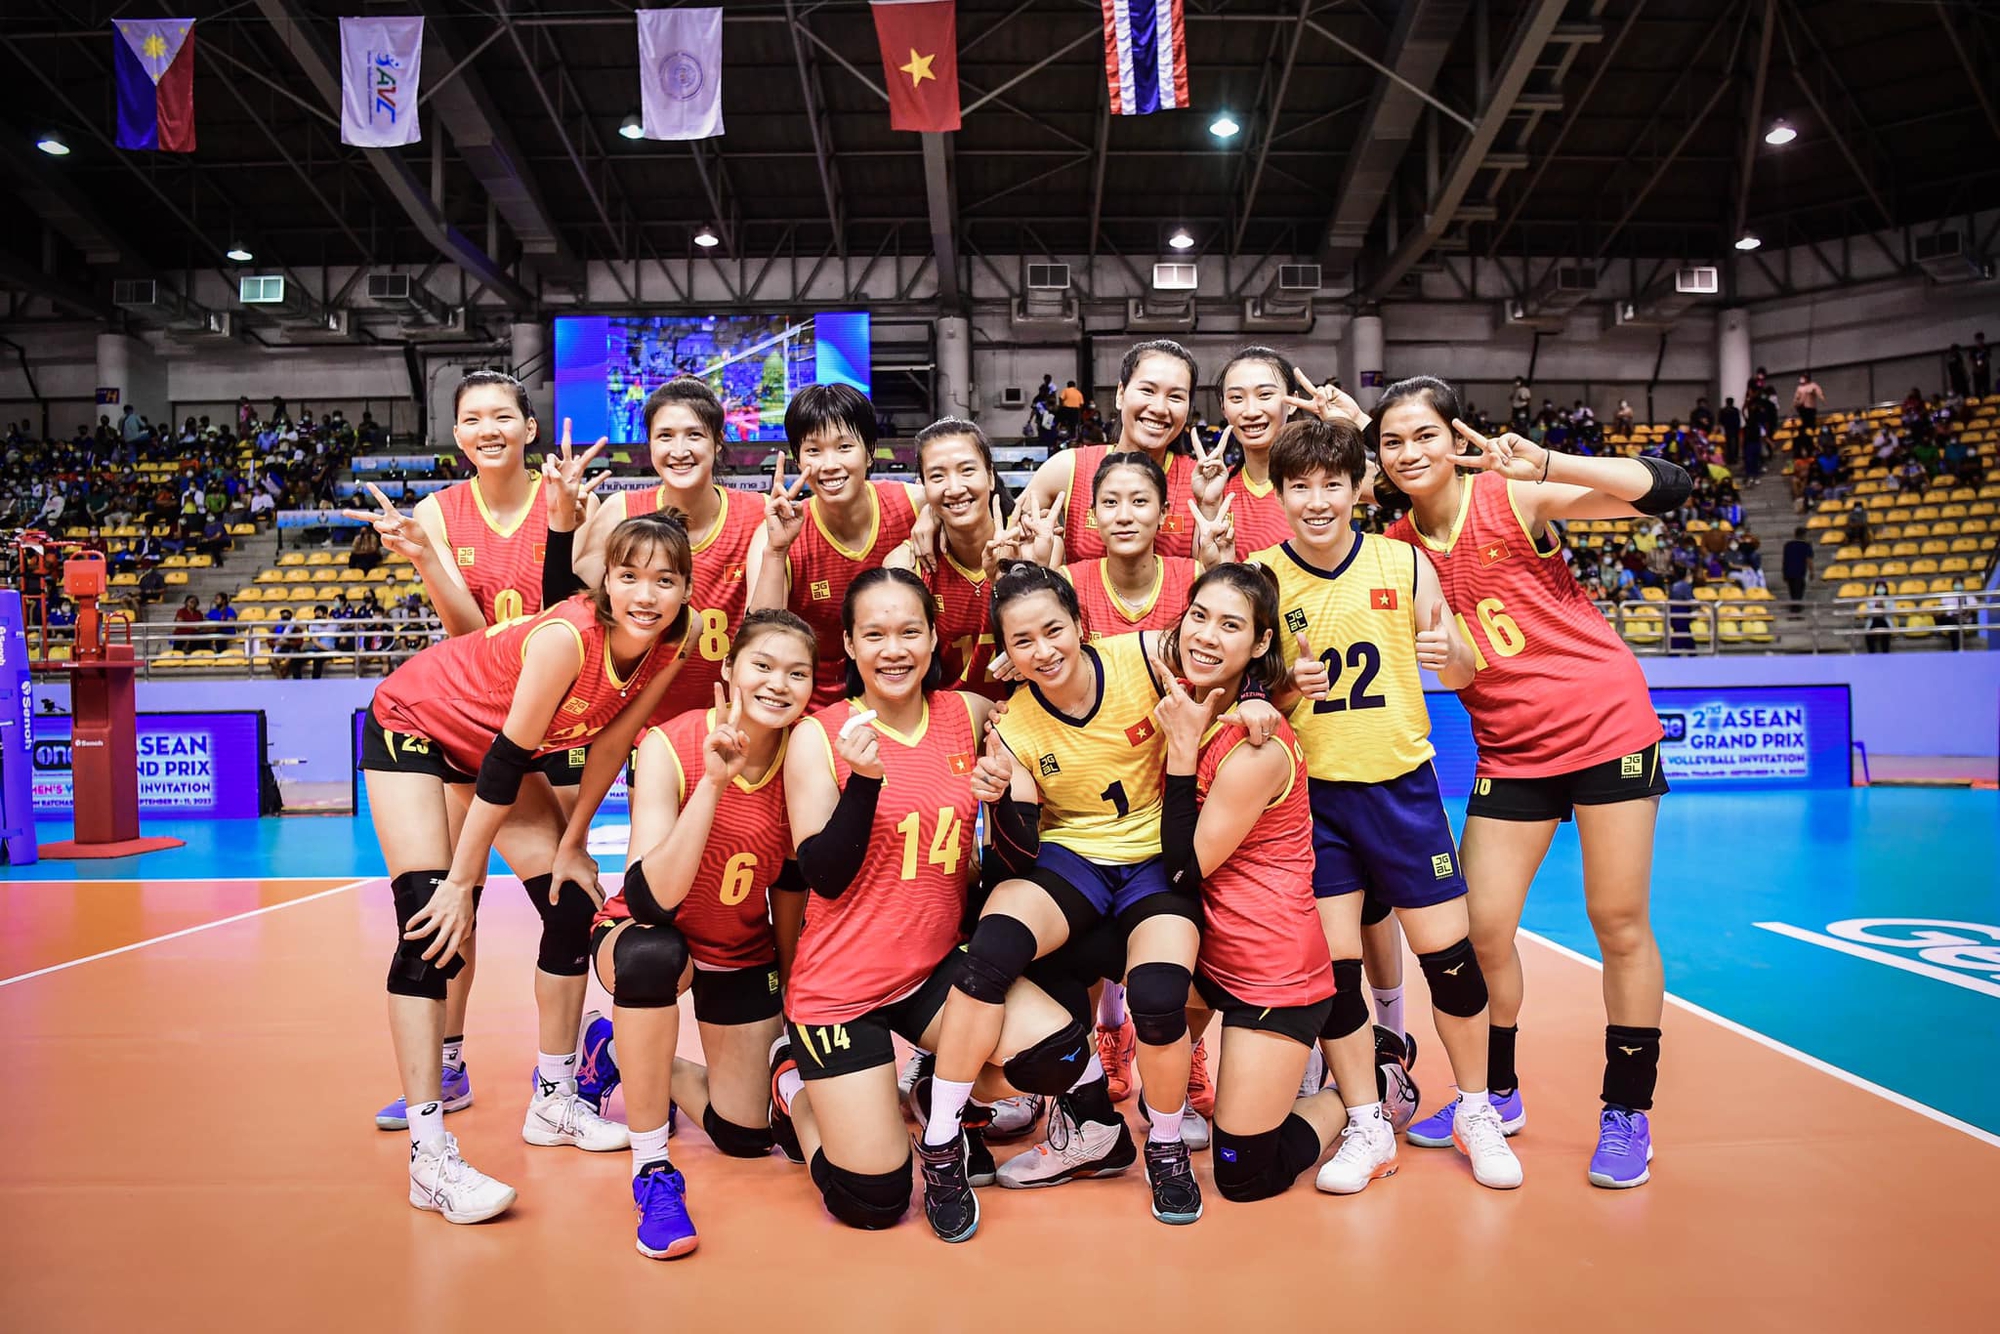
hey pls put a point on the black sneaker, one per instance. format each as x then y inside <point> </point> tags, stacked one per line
<point>783,1132</point>
<point>976,1121</point>
<point>949,1203</point>
<point>1176,1194</point>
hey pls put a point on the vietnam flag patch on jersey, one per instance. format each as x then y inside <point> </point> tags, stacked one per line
<point>1493,553</point>
<point>959,764</point>
<point>1382,599</point>
<point>1141,732</point>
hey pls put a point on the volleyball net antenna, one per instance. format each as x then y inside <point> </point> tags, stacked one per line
<point>789,337</point>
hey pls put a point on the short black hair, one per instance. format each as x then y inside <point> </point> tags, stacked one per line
<point>473,379</point>
<point>693,394</point>
<point>819,407</point>
<point>1308,445</point>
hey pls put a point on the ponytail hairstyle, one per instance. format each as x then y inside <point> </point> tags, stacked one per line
<point>948,428</point>
<point>882,574</point>
<point>771,621</point>
<point>1025,579</point>
<point>473,379</point>
<point>1271,357</point>
<point>1259,588</point>
<point>1137,460</point>
<point>663,532</point>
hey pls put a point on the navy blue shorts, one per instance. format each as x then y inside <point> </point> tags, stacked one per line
<point>1108,889</point>
<point>1390,838</point>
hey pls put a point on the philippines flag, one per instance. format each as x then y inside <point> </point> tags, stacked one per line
<point>1145,56</point>
<point>152,63</point>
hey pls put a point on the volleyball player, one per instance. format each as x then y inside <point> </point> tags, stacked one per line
<point>479,547</point>
<point>710,817</point>
<point>1549,748</point>
<point>1131,587</point>
<point>1360,616</point>
<point>1236,820</point>
<point>879,790</point>
<point>808,553</point>
<point>448,753</point>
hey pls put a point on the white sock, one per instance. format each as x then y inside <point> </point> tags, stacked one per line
<point>1166,1126</point>
<point>1367,1116</point>
<point>1093,1069</point>
<point>948,1098</point>
<point>426,1123</point>
<point>557,1072</point>
<point>789,1084</point>
<point>454,1053</point>
<point>1111,1006</point>
<point>1389,1007</point>
<point>648,1146</point>
<point>1471,1100</point>
<point>611,1049</point>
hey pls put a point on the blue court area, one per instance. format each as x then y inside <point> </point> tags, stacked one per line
<point>1878,953</point>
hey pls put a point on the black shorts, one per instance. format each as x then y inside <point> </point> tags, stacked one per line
<point>1300,1023</point>
<point>824,1051</point>
<point>1626,778</point>
<point>563,768</point>
<point>405,753</point>
<point>723,996</point>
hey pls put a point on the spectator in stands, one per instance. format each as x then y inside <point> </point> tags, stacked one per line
<point>1954,610</point>
<point>1911,478</point>
<point>190,627</point>
<point>371,434</point>
<point>1069,411</point>
<point>214,541</point>
<point>1874,614</point>
<point>1731,421</point>
<point>1982,366</point>
<point>1093,424</point>
<point>1745,561</point>
<point>62,618</point>
<point>1798,563</point>
<point>1954,372</point>
<point>287,643</point>
<point>366,553</point>
<point>1681,609</point>
<point>1518,402</point>
<point>1047,393</point>
<point>1857,532</point>
<point>224,617</point>
<point>1703,416</point>
<point>1807,400</point>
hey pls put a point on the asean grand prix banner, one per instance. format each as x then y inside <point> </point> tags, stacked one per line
<point>1716,738</point>
<point>199,766</point>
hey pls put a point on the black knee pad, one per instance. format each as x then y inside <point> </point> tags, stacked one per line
<point>860,1200</point>
<point>1457,986</point>
<point>647,963</point>
<point>1000,951</point>
<point>565,947</point>
<point>1157,996</point>
<point>1350,1007</point>
<point>734,1140</point>
<point>1257,1167</point>
<point>1373,909</point>
<point>1050,1066</point>
<point>410,974</point>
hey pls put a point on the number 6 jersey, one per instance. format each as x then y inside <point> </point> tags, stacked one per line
<point>1361,621</point>
<point>879,940</point>
<point>1557,690</point>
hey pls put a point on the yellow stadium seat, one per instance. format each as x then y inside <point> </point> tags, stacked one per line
<point>1983,509</point>
<point>298,575</point>
<point>1941,584</point>
<point>1954,565</point>
<point>1903,549</point>
<point>1927,512</point>
<point>201,562</point>
<point>253,614</point>
<point>1933,546</point>
<point>1924,565</point>
<point>1829,536</point>
<point>1892,568</point>
<point>1866,569</point>
<point>174,563</point>
<point>270,576</point>
<point>1975,527</point>
<point>1849,553</point>
<point>1643,625</point>
<point>243,530</point>
<point>1705,593</point>
<point>1697,525</point>
<point>1897,514</point>
<point>302,593</point>
<point>1877,550</point>
<point>320,558</point>
<point>327,592</point>
<point>1757,593</point>
<point>291,558</point>
<point>1651,594</point>
<point>1823,519</point>
<point>177,577</point>
<point>1836,572</point>
<point>1967,545</point>
<point>124,581</point>
<point>1917,530</point>
<point>378,575</point>
<point>1955,510</point>
<point>1945,528</point>
<point>1908,586</point>
<point>58,653</point>
<point>356,591</point>
<point>249,593</point>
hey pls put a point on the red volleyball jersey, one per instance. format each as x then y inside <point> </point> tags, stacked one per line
<point>1557,690</point>
<point>1104,615</point>
<point>502,567</point>
<point>715,607</point>
<point>822,569</point>
<point>1080,539</point>
<point>1259,518</point>
<point>878,941</point>
<point>725,916</point>
<point>1262,939</point>
<point>965,628</point>
<point>457,693</point>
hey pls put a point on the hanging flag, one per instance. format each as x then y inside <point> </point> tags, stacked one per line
<point>152,62</point>
<point>920,62</point>
<point>1145,56</point>
<point>680,73</point>
<point>380,61</point>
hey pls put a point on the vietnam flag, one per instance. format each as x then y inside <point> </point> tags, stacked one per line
<point>1382,599</point>
<point>152,62</point>
<point>920,62</point>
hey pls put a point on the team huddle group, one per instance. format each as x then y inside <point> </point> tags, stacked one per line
<point>1044,784</point>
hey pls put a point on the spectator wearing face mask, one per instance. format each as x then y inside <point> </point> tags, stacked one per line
<point>1874,614</point>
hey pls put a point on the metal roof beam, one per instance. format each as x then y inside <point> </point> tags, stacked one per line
<point>1270,127</point>
<point>942,204</point>
<point>822,132</point>
<point>1981,79</point>
<point>1753,130</point>
<point>1823,106</point>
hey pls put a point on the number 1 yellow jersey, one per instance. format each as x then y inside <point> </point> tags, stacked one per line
<point>1101,775</point>
<point>1361,621</point>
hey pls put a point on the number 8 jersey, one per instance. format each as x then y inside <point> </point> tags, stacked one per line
<point>717,597</point>
<point>1361,621</point>
<point>878,941</point>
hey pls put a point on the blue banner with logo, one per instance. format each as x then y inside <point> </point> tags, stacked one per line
<point>17,709</point>
<point>196,766</point>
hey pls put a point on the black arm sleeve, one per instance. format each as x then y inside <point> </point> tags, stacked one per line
<point>558,579</point>
<point>1671,487</point>
<point>1017,834</point>
<point>830,859</point>
<point>1178,815</point>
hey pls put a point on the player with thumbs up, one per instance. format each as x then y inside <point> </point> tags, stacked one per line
<point>1359,616</point>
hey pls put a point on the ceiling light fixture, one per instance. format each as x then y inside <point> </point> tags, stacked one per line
<point>53,144</point>
<point>238,252</point>
<point>1780,133</point>
<point>632,128</point>
<point>1224,126</point>
<point>1748,241</point>
<point>707,239</point>
<point>1180,240</point>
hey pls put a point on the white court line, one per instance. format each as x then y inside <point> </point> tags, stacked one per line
<point>186,931</point>
<point>1917,966</point>
<point>1844,1076</point>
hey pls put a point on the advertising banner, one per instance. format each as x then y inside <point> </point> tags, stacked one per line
<point>198,766</point>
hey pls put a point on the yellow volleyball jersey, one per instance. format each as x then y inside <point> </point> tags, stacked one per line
<point>1101,775</point>
<point>1361,621</point>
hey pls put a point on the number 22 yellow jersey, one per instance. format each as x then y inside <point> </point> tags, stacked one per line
<point>1101,775</point>
<point>1361,621</point>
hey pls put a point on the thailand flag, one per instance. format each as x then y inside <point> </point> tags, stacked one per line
<point>1145,56</point>
<point>153,65</point>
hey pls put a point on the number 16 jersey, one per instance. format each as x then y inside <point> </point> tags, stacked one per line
<point>1361,621</point>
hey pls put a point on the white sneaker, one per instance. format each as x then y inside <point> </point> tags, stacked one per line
<point>916,1066</point>
<point>445,1183</point>
<point>1086,1149</point>
<point>564,1118</point>
<point>1314,1078</point>
<point>1194,1130</point>
<point>1479,1134</point>
<point>1367,1151</point>
<point>1014,1117</point>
